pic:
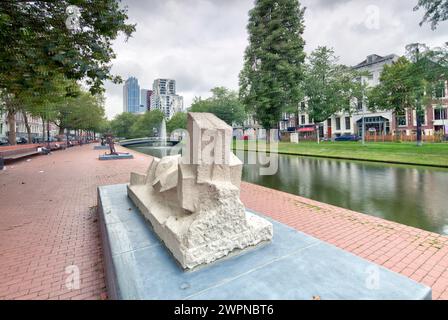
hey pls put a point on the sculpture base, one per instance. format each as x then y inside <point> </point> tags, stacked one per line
<point>101,148</point>
<point>293,266</point>
<point>115,156</point>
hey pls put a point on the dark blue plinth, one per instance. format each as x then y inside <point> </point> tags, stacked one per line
<point>293,266</point>
<point>101,147</point>
<point>116,156</point>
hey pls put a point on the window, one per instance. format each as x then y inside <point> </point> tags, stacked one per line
<point>359,104</point>
<point>302,106</point>
<point>338,123</point>
<point>422,117</point>
<point>329,123</point>
<point>347,123</point>
<point>401,120</point>
<point>439,91</point>
<point>440,114</point>
<point>302,119</point>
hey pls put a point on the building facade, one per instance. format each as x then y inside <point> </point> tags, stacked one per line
<point>434,116</point>
<point>143,100</point>
<point>165,99</point>
<point>131,96</point>
<point>36,127</point>
<point>148,100</point>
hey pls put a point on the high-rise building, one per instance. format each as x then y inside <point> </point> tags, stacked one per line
<point>143,100</point>
<point>165,99</point>
<point>131,95</point>
<point>148,100</point>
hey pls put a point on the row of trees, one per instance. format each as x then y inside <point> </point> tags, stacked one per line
<point>46,47</point>
<point>224,103</point>
<point>129,125</point>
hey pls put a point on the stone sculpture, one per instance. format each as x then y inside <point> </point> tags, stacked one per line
<point>192,201</point>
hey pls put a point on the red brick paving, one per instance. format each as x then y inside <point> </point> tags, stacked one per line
<point>48,222</point>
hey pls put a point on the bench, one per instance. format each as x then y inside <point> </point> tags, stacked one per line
<point>16,153</point>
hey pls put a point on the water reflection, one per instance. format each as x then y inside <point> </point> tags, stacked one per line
<point>415,196</point>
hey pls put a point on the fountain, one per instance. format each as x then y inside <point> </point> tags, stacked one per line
<point>162,133</point>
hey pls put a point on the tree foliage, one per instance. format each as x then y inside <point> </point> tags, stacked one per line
<point>146,124</point>
<point>397,88</point>
<point>178,121</point>
<point>223,103</point>
<point>122,123</point>
<point>273,61</point>
<point>329,87</point>
<point>411,83</point>
<point>35,42</point>
<point>436,11</point>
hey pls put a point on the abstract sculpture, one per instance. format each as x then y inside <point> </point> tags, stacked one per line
<point>192,201</point>
<point>111,143</point>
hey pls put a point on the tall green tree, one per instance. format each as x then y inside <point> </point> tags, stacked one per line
<point>223,103</point>
<point>436,11</point>
<point>122,123</point>
<point>146,124</point>
<point>411,83</point>
<point>396,91</point>
<point>329,86</point>
<point>273,61</point>
<point>178,121</point>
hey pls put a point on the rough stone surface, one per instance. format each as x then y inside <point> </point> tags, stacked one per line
<point>192,201</point>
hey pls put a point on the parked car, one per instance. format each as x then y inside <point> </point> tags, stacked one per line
<point>347,137</point>
<point>4,141</point>
<point>21,140</point>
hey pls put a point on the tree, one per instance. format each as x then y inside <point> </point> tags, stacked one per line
<point>436,11</point>
<point>396,89</point>
<point>223,103</point>
<point>178,121</point>
<point>273,61</point>
<point>410,83</point>
<point>329,87</point>
<point>36,44</point>
<point>122,123</point>
<point>146,123</point>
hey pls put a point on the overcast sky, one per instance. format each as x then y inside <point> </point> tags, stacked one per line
<point>200,43</point>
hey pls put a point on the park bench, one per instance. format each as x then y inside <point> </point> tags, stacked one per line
<point>16,152</point>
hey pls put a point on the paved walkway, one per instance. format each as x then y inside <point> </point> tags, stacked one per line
<point>48,223</point>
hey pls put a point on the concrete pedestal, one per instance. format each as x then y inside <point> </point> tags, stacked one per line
<point>293,266</point>
<point>101,147</point>
<point>116,156</point>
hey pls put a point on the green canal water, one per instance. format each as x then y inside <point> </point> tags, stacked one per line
<point>414,196</point>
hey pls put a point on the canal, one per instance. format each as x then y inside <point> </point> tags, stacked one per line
<point>414,196</point>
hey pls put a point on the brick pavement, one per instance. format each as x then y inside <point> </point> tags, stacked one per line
<point>48,222</point>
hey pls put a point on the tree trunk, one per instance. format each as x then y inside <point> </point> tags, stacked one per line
<point>28,127</point>
<point>12,127</point>
<point>43,129</point>
<point>397,132</point>
<point>61,130</point>
<point>48,132</point>
<point>419,126</point>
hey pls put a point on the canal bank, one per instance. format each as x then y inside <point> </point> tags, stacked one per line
<point>431,155</point>
<point>49,222</point>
